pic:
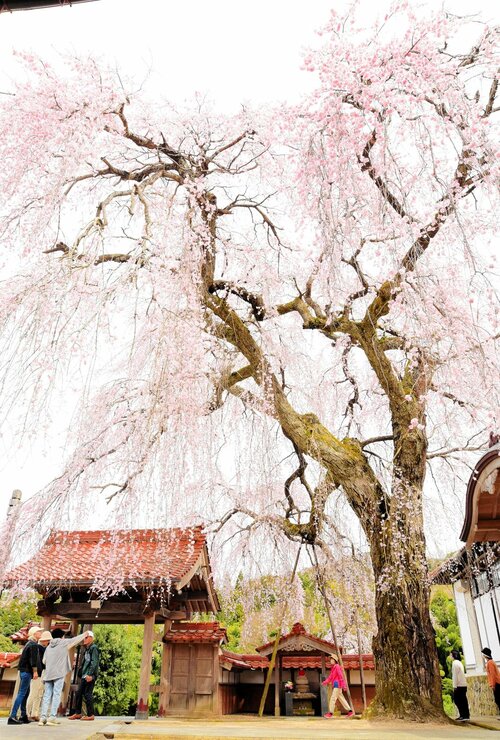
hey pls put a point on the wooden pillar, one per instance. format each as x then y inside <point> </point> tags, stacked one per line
<point>277,681</point>
<point>46,622</point>
<point>145,674</point>
<point>166,657</point>
<point>65,696</point>
<point>216,709</point>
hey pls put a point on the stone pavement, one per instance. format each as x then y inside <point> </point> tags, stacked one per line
<point>247,728</point>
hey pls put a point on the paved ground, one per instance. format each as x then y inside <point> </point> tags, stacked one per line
<point>250,728</point>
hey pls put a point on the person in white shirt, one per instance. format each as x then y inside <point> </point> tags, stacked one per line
<point>459,687</point>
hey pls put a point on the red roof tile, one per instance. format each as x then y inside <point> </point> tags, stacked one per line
<point>254,661</point>
<point>298,629</point>
<point>21,635</point>
<point>133,557</point>
<point>9,660</point>
<point>196,632</point>
<point>248,662</point>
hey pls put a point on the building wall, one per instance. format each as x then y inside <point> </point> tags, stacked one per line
<point>480,697</point>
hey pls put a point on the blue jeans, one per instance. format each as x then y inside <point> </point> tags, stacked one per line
<point>51,697</point>
<point>22,694</point>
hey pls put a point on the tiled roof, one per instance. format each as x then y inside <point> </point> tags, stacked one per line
<point>254,662</point>
<point>21,635</point>
<point>247,662</point>
<point>136,556</point>
<point>196,632</point>
<point>298,629</point>
<point>9,660</point>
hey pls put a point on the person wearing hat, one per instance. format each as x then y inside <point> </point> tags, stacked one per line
<point>88,673</point>
<point>493,674</point>
<point>57,666</point>
<point>337,680</point>
<point>29,667</point>
<point>37,687</point>
<point>459,687</point>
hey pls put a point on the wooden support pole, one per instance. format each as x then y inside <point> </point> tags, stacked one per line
<point>166,656</point>
<point>361,667</point>
<point>277,686</point>
<point>322,589</point>
<point>145,674</point>
<point>276,643</point>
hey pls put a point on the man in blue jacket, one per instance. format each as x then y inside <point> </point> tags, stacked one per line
<point>88,672</point>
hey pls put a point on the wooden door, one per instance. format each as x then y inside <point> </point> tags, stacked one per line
<point>192,678</point>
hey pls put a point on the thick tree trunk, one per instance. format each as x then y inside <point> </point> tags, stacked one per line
<point>408,682</point>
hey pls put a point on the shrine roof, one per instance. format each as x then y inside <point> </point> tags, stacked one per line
<point>21,635</point>
<point>482,501</point>
<point>8,6</point>
<point>259,662</point>
<point>299,640</point>
<point>187,632</point>
<point>9,660</point>
<point>135,557</point>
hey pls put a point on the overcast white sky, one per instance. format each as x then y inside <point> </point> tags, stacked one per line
<point>233,51</point>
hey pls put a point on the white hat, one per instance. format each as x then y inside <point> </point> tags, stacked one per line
<point>45,636</point>
<point>33,630</point>
<point>90,633</point>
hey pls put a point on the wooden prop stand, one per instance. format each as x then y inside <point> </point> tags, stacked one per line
<point>361,668</point>
<point>272,662</point>
<point>145,674</point>
<point>321,586</point>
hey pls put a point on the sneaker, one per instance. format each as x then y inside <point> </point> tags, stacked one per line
<point>25,720</point>
<point>75,716</point>
<point>328,715</point>
<point>53,721</point>
<point>350,714</point>
<point>87,719</point>
<point>462,719</point>
<point>42,722</point>
<point>14,721</point>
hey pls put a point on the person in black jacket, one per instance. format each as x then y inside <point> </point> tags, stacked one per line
<point>29,667</point>
<point>88,673</point>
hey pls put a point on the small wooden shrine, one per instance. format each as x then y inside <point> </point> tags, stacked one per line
<point>162,576</point>
<point>302,660</point>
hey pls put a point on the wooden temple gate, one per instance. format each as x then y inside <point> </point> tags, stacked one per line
<point>162,577</point>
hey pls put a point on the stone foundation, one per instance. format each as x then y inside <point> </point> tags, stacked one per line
<point>480,697</point>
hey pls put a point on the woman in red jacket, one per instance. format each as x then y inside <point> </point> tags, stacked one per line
<point>336,678</point>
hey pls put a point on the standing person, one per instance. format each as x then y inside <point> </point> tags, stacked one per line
<point>459,687</point>
<point>336,678</point>
<point>88,672</point>
<point>57,666</point>
<point>493,674</point>
<point>37,687</point>
<point>29,667</point>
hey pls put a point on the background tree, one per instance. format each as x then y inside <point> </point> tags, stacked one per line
<point>324,269</point>
<point>444,619</point>
<point>119,663</point>
<point>14,614</point>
